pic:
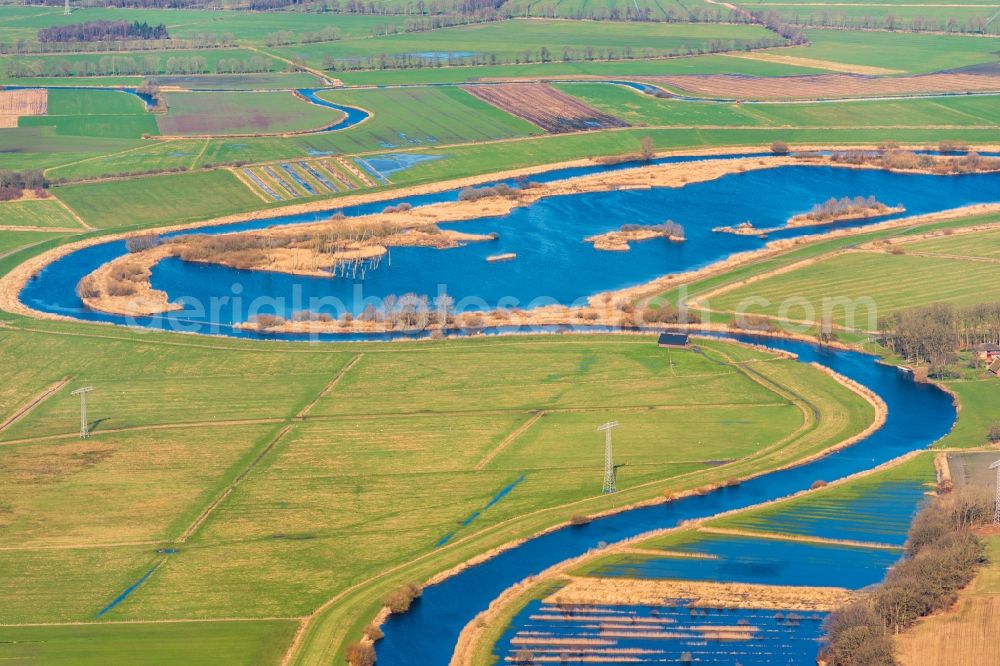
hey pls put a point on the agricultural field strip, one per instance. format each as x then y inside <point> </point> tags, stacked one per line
<point>788,261</point>
<point>385,415</point>
<point>842,283</point>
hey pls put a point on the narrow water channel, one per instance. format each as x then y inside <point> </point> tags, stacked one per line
<point>918,415</point>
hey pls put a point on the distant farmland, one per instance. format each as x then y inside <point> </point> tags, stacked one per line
<point>194,114</point>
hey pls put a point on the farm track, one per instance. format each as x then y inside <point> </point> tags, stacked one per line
<point>523,428</point>
<point>33,403</point>
<point>304,412</point>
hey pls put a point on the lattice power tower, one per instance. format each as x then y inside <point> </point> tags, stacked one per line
<point>82,392</point>
<point>996,506</point>
<point>609,465</point>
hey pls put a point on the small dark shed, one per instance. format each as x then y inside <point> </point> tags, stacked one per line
<point>673,340</point>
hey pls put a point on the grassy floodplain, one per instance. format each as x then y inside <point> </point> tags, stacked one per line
<point>887,279</point>
<point>409,415</point>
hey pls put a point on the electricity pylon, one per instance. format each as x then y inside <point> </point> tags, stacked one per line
<point>82,392</point>
<point>609,465</point>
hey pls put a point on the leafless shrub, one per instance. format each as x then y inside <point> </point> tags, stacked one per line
<point>360,654</point>
<point>399,601</point>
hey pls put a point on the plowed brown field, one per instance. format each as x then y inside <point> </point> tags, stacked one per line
<point>17,103</point>
<point>550,109</point>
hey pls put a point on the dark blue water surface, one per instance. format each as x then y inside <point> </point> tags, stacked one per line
<point>553,263</point>
<point>742,559</point>
<point>662,635</point>
<point>918,415</point>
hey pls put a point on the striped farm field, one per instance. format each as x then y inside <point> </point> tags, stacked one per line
<point>411,117</point>
<point>159,200</point>
<point>301,178</point>
<point>985,244</point>
<point>856,288</point>
<point>36,213</point>
<point>874,508</point>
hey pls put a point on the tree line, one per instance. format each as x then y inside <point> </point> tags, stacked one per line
<point>979,25</point>
<point>103,31</point>
<point>934,334</point>
<point>287,37</point>
<point>209,40</point>
<point>942,556</point>
<point>147,65</point>
<point>540,55</point>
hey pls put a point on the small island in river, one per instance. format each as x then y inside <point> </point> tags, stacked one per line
<point>618,241</point>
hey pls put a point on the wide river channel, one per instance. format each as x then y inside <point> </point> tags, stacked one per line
<point>553,264</point>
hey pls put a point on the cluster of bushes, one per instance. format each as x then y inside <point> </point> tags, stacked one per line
<point>907,160</point>
<point>141,243</point>
<point>103,31</point>
<point>498,190</point>
<point>933,334</point>
<point>398,208</point>
<point>942,556</point>
<point>837,208</point>
<point>14,183</point>
<point>669,314</point>
<point>123,280</point>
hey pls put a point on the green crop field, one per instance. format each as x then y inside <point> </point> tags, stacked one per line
<point>12,241</point>
<point>244,643</point>
<point>857,287</point>
<point>980,412</point>
<point>904,52</point>
<point>158,199</point>
<point>984,244</point>
<point>408,117</point>
<point>638,108</point>
<point>36,213</point>
<point>242,113</point>
<point>704,64</point>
